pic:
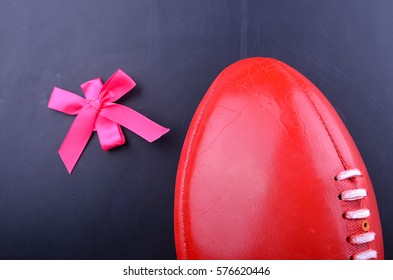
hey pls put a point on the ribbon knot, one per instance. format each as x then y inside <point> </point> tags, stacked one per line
<point>95,104</point>
<point>98,112</point>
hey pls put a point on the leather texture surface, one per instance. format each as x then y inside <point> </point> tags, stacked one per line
<point>256,175</point>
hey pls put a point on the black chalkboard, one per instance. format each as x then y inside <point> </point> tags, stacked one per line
<point>119,204</point>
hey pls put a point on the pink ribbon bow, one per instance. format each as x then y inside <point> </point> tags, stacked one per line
<point>98,112</point>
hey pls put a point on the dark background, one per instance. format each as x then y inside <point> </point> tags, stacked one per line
<point>119,204</point>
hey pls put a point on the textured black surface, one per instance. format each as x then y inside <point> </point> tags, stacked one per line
<point>119,204</point>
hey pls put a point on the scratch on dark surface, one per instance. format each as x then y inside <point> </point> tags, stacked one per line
<point>183,123</point>
<point>99,25</point>
<point>228,17</point>
<point>319,61</point>
<point>346,19</point>
<point>150,36</point>
<point>243,28</point>
<point>387,113</point>
<point>322,27</point>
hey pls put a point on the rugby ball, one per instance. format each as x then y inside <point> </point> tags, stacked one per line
<point>268,170</point>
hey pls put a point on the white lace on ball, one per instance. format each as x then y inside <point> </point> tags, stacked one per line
<point>353,195</point>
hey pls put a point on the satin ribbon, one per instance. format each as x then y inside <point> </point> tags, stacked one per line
<point>98,113</point>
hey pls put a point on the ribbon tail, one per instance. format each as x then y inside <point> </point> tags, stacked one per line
<point>134,121</point>
<point>77,137</point>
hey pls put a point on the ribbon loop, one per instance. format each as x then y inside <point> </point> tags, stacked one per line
<point>97,112</point>
<point>116,86</point>
<point>109,133</point>
<point>66,101</point>
<point>92,88</point>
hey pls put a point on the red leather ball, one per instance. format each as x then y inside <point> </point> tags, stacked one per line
<point>269,171</point>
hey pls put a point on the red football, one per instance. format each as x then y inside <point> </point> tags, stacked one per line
<point>269,171</point>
